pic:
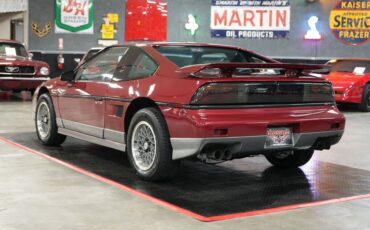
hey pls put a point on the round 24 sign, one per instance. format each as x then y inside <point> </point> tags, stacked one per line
<point>350,21</point>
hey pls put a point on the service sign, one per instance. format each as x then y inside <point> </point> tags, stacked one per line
<point>250,18</point>
<point>74,16</point>
<point>350,21</point>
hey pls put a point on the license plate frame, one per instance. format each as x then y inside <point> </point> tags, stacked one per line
<point>279,137</point>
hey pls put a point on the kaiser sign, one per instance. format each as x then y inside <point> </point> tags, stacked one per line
<point>250,18</point>
<point>350,21</point>
<point>74,16</point>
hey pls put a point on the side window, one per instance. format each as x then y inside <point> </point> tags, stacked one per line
<point>144,66</point>
<point>102,66</point>
<point>136,64</point>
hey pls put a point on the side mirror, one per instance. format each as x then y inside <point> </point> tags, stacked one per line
<point>68,76</point>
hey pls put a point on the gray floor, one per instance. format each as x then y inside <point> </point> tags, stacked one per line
<point>36,193</point>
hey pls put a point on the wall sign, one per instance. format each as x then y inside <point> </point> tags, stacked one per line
<point>74,16</point>
<point>192,25</point>
<point>250,18</point>
<point>349,21</point>
<point>108,28</point>
<point>41,31</point>
<point>312,33</point>
<point>146,20</point>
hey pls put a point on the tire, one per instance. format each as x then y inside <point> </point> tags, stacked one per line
<point>290,159</point>
<point>365,103</point>
<point>45,122</point>
<point>148,134</point>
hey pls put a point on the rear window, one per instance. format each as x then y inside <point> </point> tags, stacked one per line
<point>350,66</point>
<point>192,55</point>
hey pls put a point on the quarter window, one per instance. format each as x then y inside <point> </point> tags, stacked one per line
<point>136,64</point>
<point>102,66</point>
<point>144,66</point>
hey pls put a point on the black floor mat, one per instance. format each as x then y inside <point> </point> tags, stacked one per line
<point>211,190</point>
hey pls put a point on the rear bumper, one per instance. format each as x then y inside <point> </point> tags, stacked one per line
<point>244,131</point>
<point>250,145</point>
<point>21,83</point>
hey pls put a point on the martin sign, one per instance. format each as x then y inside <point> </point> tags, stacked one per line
<point>74,16</point>
<point>250,18</point>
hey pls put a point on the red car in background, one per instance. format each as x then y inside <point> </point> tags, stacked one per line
<point>17,70</point>
<point>351,81</point>
<point>164,102</point>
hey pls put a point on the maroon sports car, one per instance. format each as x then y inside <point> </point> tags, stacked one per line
<point>164,102</point>
<point>17,70</point>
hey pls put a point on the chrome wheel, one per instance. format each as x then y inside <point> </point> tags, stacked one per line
<point>43,120</point>
<point>143,145</point>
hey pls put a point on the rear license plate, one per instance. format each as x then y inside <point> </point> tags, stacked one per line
<point>279,137</point>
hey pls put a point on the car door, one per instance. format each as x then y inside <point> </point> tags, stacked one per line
<point>82,105</point>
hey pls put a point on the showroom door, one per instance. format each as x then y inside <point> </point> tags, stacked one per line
<point>82,105</point>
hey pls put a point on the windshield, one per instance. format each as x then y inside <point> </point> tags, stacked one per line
<point>350,66</point>
<point>192,55</point>
<point>12,49</point>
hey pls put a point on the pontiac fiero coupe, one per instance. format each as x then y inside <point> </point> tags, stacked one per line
<point>351,81</point>
<point>17,70</point>
<point>164,102</point>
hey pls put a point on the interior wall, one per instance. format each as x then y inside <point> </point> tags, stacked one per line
<point>5,19</point>
<point>72,42</point>
<point>293,47</point>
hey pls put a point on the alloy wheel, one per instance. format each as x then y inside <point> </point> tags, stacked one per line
<point>144,145</point>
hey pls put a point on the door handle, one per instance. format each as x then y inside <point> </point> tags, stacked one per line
<point>98,98</point>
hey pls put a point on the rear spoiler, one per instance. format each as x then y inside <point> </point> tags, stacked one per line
<point>227,69</point>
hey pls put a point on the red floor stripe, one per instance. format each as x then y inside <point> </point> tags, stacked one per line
<point>179,209</point>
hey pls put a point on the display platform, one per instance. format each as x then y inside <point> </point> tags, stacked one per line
<point>238,188</point>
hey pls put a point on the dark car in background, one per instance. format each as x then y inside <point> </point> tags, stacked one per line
<point>17,69</point>
<point>351,81</point>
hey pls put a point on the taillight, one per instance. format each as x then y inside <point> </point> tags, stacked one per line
<point>241,93</point>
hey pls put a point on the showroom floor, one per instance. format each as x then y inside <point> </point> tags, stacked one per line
<point>41,193</point>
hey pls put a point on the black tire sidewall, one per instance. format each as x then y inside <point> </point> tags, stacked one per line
<point>297,159</point>
<point>163,146</point>
<point>366,95</point>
